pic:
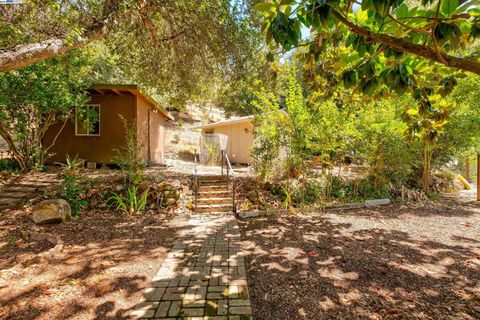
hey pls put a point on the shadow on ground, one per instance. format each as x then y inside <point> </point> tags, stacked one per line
<point>415,265</point>
<point>106,262</point>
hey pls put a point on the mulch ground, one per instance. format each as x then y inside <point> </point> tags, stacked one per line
<point>106,262</point>
<point>391,262</point>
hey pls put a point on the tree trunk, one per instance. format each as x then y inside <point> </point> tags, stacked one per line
<point>426,166</point>
<point>17,155</point>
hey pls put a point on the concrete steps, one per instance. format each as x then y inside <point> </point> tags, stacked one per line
<point>208,188</point>
<point>213,195</point>
<point>213,208</point>
<point>206,201</point>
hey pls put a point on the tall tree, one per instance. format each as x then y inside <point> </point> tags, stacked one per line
<point>35,30</point>
<point>37,96</point>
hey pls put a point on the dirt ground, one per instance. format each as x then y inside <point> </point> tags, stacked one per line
<point>106,262</point>
<point>392,262</point>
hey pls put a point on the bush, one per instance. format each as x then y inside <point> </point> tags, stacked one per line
<point>71,186</point>
<point>9,165</point>
<point>132,202</point>
<point>132,166</point>
<point>310,192</point>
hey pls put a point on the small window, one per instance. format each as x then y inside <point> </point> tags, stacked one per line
<point>88,123</point>
<point>208,131</point>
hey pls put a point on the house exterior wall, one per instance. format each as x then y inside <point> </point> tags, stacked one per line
<point>99,149</point>
<point>157,137</point>
<point>142,110</point>
<point>151,131</point>
<point>240,140</point>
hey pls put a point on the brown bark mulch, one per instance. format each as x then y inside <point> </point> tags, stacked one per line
<point>391,262</point>
<point>106,262</point>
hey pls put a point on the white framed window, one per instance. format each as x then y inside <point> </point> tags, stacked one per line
<point>89,123</point>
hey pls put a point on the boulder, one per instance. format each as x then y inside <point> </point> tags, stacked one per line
<point>169,201</point>
<point>252,195</point>
<point>49,211</point>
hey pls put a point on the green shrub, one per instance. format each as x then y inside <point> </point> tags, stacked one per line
<point>132,167</point>
<point>310,192</point>
<point>132,202</point>
<point>129,158</point>
<point>9,165</point>
<point>72,186</point>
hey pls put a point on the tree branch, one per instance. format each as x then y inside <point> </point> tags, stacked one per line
<point>415,49</point>
<point>26,54</point>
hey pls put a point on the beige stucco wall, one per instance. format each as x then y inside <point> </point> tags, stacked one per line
<point>153,141</point>
<point>143,108</point>
<point>240,140</point>
<point>157,137</point>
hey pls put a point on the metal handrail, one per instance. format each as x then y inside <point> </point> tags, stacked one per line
<point>230,176</point>
<point>195,181</point>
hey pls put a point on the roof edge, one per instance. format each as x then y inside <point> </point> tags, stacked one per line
<point>224,122</point>
<point>136,90</point>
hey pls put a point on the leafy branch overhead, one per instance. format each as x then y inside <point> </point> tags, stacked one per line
<point>387,45</point>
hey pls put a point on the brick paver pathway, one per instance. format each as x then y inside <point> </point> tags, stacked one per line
<point>203,276</point>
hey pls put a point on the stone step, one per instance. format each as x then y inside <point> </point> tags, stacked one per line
<point>222,188</point>
<point>202,201</point>
<point>212,178</point>
<point>212,183</point>
<point>9,202</point>
<point>214,208</point>
<point>214,194</point>
<point>20,188</point>
<point>31,185</point>
<point>15,194</point>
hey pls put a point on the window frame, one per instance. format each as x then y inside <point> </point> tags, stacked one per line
<point>87,129</point>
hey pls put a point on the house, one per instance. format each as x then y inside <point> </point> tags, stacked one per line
<point>95,136</point>
<point>238,133</point>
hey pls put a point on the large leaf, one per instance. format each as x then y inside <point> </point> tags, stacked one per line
<point>449,6</point>
<point>402,11</point>
<point>263,6</point>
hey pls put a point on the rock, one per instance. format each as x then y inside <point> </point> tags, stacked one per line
<point>38,236</point>
<point>169,201</point>
<point>55,210</point>
<point>172,194</point>
<point>252,196</point>
<point>144,185</point>
<point>376,202</point>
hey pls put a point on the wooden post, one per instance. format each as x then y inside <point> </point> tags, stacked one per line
<point>467,169</point>
<point>478,177</point>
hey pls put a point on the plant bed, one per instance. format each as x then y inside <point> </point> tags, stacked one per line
<point>387,262</point>
<point>98,270</point>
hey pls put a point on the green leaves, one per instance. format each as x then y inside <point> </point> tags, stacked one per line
<point>402,11</point>
<point>285,31</point>
<point>448,33</point>
<point>349,78</point>
<point>474,32</point>
<point>382,7</point>
<point>449,6</point>
<point>264,7</point>
<point>360,44</point>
